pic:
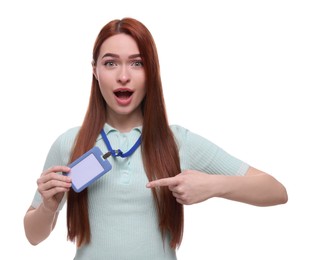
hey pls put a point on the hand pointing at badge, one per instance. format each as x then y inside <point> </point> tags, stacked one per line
<point>188,187</point>
<point>192,186</point>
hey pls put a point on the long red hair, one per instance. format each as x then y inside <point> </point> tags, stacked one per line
<point>159,149</point>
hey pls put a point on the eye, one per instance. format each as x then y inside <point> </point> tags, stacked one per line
<point>137,63</point>
<point>110,63</point>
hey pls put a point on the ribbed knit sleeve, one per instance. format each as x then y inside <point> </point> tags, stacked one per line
<point>58,154</point>
<point>198,153</point>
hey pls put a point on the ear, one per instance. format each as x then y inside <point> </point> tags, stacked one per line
<point>94,70</point>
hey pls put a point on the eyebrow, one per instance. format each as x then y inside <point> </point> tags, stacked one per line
<point>117,56</point>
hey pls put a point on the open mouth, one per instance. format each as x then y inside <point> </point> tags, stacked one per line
<point>123,94</point>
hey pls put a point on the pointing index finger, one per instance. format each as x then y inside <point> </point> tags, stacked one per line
<point>162,182</point>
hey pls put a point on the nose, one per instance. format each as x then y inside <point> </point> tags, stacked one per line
<point>124,75</point>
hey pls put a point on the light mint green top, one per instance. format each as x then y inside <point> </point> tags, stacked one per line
<point>122,212</point>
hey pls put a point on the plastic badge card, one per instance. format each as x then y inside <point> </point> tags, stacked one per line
<point>87,169</point>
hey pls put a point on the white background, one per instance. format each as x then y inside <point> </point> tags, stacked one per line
<point>236,72</point>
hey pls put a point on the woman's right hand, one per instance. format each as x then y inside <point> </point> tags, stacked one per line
<point>52,185</point>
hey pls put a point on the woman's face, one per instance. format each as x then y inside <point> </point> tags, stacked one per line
<point>121,76</point>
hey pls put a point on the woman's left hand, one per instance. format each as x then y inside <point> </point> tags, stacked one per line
<point>188,187</point>
<point>255,187</point>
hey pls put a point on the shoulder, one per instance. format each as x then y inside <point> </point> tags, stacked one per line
<point>180,133</point>
<point>178,130</point>
<point>185,136</point>
<point>71,132</point>
<point>67,138</point>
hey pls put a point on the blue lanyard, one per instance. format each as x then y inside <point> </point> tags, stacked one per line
<point>118,152</point>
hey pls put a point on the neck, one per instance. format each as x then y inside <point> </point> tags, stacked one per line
<point>124,123</point>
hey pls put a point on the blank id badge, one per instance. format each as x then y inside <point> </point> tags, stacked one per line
<point>87,169</point>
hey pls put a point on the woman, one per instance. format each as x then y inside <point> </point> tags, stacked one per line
<point>135,211</point>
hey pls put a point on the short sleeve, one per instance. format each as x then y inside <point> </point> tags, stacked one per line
<point>58,154</point>
<point>198,153</point>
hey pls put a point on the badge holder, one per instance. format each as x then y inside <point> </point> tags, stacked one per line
<point>88,168</point>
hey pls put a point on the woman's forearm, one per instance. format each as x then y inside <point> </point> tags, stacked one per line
<point>39,223</point>
<point>256,188</point>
